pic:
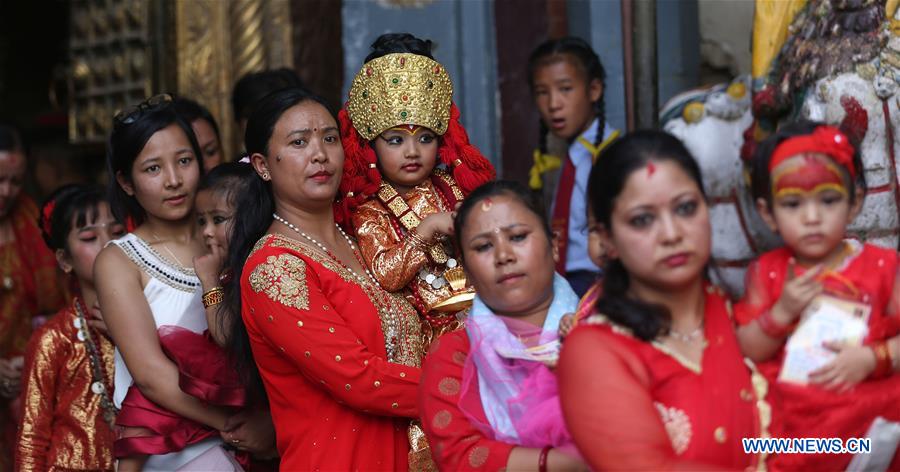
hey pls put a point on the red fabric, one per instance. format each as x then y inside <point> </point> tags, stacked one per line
<point>456,443</point>
<point>37,289</point>
<point>560,221</point>
<point>615,389</point>
<point>205,373</point>
<point>824,139</point>
<point>319,422</point>
<point>809,411</point>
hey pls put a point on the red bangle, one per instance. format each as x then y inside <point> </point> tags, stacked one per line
<point>542,459</point>
<point>772,328</point>
<point>883,364</point>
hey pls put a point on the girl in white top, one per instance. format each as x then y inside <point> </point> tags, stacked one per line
<point>145,280</point>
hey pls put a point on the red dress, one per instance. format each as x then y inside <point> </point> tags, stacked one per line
<point>456,444</point>
<point>636,405</point>
<point>867,275</point>
<point>339,358</point>
<point>203,372</point>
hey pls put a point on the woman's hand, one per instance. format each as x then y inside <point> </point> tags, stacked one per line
<point>209,266</point>
<point>251,431</point>
<point>851,366</point>
<point>797,293</point>
<point>11,377</point>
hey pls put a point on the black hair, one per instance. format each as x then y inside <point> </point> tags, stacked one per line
<point>127,140</point>
<point>229,179</point>
<point>253,87</point>
<point>761,179</point>
<point>586,59</point>
<point>10,140</point>
<point>393,43</point>
<point>70,206</point>
<point>255,205</point>
<point>607,179</point>
<point>191,111</point>
<point>496,188</point>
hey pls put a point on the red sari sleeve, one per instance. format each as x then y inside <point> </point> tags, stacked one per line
<point>455,443</point>
<point>294,316</point>
<point>608,408</point>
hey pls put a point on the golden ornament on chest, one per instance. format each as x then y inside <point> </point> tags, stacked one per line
<point>461,296</point>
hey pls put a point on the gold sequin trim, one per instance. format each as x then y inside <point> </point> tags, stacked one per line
<point>283,279</point>
<point>763,409</point>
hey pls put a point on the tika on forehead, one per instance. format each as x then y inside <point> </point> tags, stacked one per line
<point>651,169</point>
<point>807,175</point>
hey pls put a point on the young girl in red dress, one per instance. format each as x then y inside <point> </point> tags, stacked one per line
<point>654,379</point>
<point>68,412</point>
<point>408,165</point>
<point>808,184</point>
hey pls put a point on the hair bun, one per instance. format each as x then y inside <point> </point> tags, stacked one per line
<point>391,43</point>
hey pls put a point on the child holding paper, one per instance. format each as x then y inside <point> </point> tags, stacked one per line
<point>820,314</point>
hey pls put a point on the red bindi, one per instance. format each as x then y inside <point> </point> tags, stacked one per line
<point>650,169</point>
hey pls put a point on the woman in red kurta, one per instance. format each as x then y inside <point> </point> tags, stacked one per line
<point>339,357</point>
<point>654,380</point>
<point>488,400</point>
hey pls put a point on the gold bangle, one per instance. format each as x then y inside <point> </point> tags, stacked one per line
<point>417,239</point>
<point>213,297</point>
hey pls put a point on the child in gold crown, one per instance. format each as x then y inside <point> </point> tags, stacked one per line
<point>408,163</point>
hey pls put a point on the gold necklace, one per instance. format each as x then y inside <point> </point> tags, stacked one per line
<point>158,240</point>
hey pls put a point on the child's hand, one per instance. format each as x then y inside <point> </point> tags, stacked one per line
<point>797,293</point>
<point>851,366</point>
<point>566,324</point>
<point>209,266</point>
<point>435,224</point>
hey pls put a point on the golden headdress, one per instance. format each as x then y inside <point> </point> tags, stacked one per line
<point>400,89</point>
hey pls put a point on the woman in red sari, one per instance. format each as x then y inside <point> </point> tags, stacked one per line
<point>338,356</point>
<point>654,380</point>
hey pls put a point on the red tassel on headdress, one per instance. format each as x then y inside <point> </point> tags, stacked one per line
<point>470,168</point>
<point>359,177</point>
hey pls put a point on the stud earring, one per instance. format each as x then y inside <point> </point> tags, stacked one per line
<point>265,176</point>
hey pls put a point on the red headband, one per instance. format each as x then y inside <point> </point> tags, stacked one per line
<point>824,139</point>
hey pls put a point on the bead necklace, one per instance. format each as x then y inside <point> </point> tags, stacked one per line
<point>330,254</point>
<point>99,384</point>
<point>164,246</point>
<point>689,337</point>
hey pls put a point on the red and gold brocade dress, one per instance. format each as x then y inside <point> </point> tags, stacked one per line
<point>65,420</point>
<point>31,284</point>
<point>868,274</point>
<point>401,263</point>
<point>339,357</point>
<point>636,405</point>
